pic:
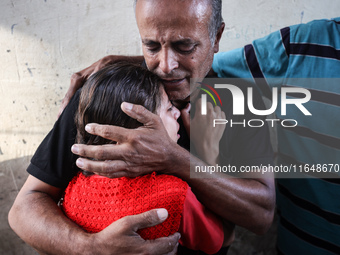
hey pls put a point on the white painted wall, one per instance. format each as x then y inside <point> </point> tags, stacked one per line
<point>42,42</point>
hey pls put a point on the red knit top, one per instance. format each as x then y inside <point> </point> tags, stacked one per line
<point>94,202</point>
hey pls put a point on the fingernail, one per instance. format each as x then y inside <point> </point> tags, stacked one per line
<point>80,163</point>
<point>162,214</point>
<point>75,149</point>
<point>88,128</point>
<point>127,106</point>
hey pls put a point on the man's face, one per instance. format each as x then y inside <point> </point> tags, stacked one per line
<point>175,41</point>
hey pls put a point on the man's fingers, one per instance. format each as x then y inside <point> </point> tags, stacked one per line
<point>147,219</point>
<point>78,80</point>
<point>139,113</point>
<point>174,251</point>
<point>108,168</point>
<point>223,115</point>
<point>164,245</point>
<point>99,152</point>
<point>116,175</point>
<point>113,133</point>
<point>104,167</point>
<point>150,218</point>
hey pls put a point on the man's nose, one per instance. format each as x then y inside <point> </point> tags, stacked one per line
<point>167,61</point>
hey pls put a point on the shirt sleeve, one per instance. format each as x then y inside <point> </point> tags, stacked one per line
<point>53,162</point>
<point>200,228</point>
<point>265,58</point>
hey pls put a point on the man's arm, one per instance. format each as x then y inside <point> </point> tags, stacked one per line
<point>246,202</point>
<point>37,219</point>
<point>79,78</point>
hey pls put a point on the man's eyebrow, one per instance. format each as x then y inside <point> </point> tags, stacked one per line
<point>148,41</point>
<point>181,41</point>
<point>185,41</point>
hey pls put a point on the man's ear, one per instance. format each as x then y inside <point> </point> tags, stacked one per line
<point>218,38</point>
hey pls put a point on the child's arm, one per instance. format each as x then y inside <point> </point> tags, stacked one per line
<point>201,229</point>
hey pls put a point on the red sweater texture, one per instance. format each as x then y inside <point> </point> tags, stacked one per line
<point>94,202</point>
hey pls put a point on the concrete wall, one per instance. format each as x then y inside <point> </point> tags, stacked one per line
<point>42,42</point>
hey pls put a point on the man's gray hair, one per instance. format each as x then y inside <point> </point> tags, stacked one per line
<point>215,20</point>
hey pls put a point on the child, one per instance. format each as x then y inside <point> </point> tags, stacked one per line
<point>94,202</point>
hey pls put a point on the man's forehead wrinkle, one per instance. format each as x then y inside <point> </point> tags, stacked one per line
<point>168,19</point>
<point>174,36</point>
<point>165,32</point>
<point>165,12</point>
<point>174,28</point>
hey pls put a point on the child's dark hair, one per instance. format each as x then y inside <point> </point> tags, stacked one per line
<point>104,92</point>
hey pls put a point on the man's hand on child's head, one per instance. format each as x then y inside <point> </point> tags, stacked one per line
<point>138,151</point>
